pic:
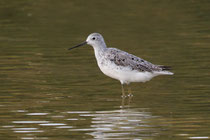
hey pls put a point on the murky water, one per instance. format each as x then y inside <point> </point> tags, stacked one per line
<point>48,92</point>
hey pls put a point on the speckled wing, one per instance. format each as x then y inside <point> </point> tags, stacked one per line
<point>122,58</point>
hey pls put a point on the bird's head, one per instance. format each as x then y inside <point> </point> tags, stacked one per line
<point>95,39</point>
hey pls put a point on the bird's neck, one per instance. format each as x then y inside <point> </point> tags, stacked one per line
<point>99,50</point>
<point>99,47</point>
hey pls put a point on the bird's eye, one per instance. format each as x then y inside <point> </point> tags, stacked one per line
<point>93,38</point>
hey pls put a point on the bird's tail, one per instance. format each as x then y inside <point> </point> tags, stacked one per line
<point>165,70</point>
<point>165,67</point>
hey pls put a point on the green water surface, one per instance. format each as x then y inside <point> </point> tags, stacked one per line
<point>48,92</point>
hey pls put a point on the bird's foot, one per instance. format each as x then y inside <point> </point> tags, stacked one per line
<point>123,96</point>
<point>130,95</point>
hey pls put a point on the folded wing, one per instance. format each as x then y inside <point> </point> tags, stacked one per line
<point>122,58</point>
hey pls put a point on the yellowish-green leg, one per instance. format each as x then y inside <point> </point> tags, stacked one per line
<point>123,102</point>
<point>123,91</point>
<point>130,95</point>
<point>129,92</point>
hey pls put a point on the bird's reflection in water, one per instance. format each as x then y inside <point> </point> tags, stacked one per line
<point>122,124</point>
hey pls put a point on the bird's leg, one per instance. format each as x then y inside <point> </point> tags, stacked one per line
<point>123,91</point>
<point>129,92</point>
<point>130,95</point>
<point>122,103</point>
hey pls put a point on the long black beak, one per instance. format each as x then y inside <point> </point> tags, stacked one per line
<point>84,43</point>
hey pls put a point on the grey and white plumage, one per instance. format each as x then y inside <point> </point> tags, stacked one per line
<point>121,65</point>
<point>122,58</point>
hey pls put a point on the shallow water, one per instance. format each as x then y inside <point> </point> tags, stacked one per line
<point>48,92</point>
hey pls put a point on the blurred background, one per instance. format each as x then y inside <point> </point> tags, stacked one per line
<point>48,92</point>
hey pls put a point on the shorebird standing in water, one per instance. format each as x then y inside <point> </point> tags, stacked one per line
<point>121,65</point>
